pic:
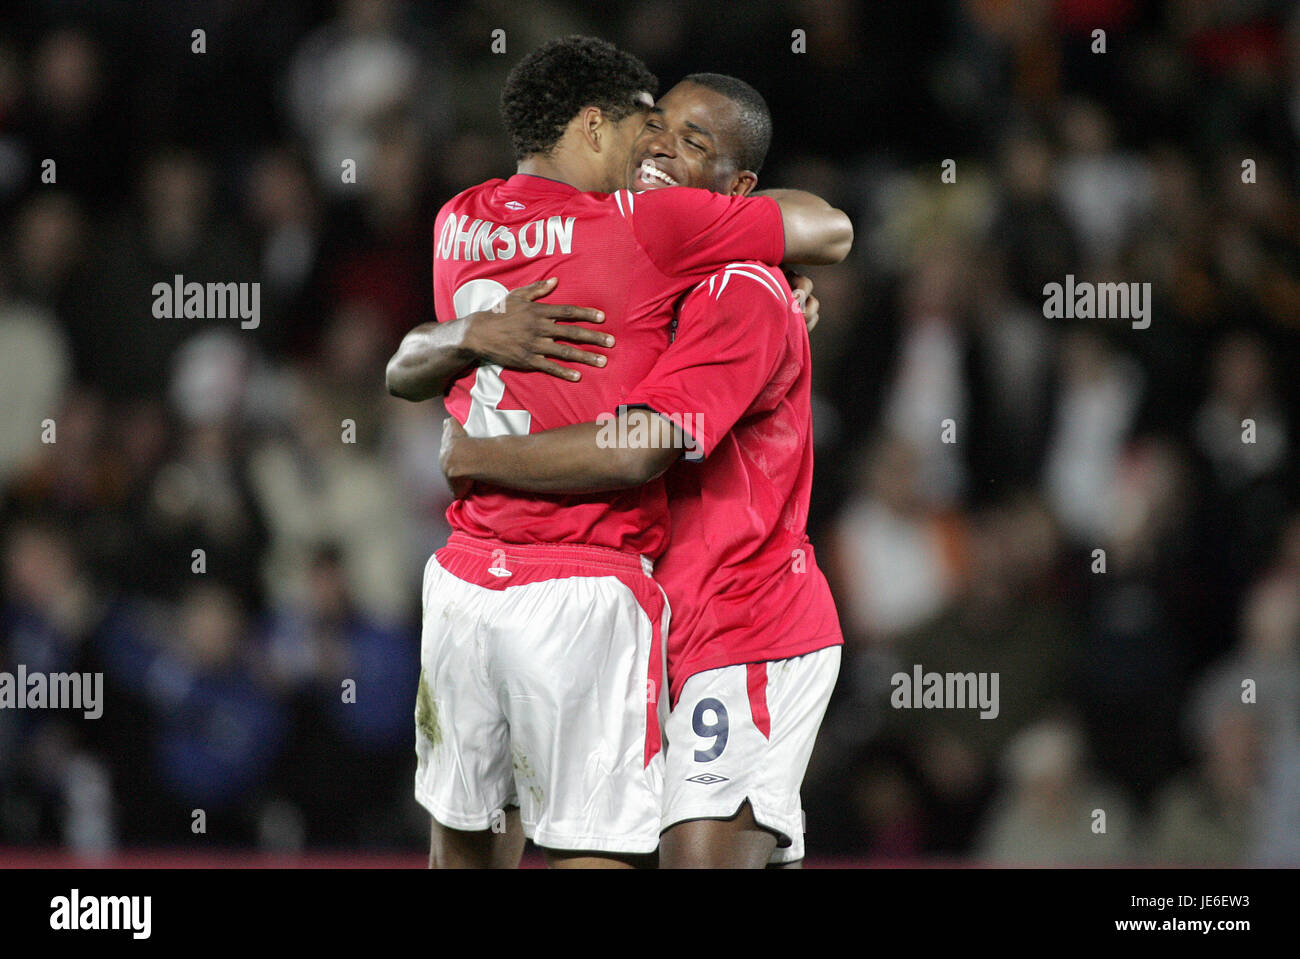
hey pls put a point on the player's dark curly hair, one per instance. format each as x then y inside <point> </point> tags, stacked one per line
<point>548,87</point>
<point>754,133</point>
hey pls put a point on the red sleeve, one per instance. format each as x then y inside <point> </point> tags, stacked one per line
<point>731,336</point>
<point>443,311</point>
<point>686,231</point>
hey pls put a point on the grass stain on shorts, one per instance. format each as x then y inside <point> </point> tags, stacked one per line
<point>426,713</point>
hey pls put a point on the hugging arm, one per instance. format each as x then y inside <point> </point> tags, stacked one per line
<point>816,233</point>
<point>583,458</point>
<point>521,334</point>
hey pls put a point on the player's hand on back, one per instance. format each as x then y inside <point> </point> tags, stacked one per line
<point>452,433</point>
<point>803,287</point>
<point>526,335</point>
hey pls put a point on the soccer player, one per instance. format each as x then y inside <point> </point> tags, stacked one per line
<point>753,652</point>
<point>541,657</point>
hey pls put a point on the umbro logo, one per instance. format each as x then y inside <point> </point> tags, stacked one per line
<point>707,779</point>
<point>499,572</point>
<point>514,205</point>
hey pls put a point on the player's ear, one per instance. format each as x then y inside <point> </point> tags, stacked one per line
<point>591,123</point>
<point>743,183</point>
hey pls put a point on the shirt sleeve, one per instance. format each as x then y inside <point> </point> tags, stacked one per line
<point>442,305</point>
<point>686,231</point>
<point>731,336</point>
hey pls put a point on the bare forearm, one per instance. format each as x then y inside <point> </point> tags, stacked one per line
<point>815,232</point>
<point>517,333</point>
<point>569,459</point>
<point>428,360</point>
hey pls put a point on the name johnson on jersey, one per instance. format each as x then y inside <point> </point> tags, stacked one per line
<point>463,239</point>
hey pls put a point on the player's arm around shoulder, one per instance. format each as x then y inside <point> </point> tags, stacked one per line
<point>816,233</point>
<point>685,230</point>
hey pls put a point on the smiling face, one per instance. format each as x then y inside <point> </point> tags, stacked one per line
<point>621,141</point>
<point>689,139</point>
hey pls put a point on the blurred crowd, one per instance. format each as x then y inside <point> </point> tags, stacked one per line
<point>230,524</point>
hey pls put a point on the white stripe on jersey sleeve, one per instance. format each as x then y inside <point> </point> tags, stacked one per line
<point>755,273</point>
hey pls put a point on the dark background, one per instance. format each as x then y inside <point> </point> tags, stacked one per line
<point>1120,691</point>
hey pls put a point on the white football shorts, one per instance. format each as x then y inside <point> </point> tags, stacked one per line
<point>541,673</point>
<point>746,733</point>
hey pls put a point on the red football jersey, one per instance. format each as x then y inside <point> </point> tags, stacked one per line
<point>629,254</point>
<point>739,572</point>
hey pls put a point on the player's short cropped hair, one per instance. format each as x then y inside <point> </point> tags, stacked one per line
<point>754,133</point>
<point>548,88</point>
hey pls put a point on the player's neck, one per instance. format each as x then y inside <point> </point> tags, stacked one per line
<point>558,167</point>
